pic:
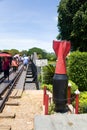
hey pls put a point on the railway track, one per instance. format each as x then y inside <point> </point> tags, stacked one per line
<point>7,87</point>
<point>2,74</point>
<point>14,88</point>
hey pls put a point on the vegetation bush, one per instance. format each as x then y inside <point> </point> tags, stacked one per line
<point>74,87</point>
<point>48,86</point>
<point>51,109</point>
<point>77,69</point>
<point>83,102</point>
<point>48,72</point>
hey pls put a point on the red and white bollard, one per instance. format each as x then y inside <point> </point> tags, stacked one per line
<point>77,92</point>
<point>69,94</point>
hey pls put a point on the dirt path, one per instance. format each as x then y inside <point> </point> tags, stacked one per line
<point>30,104</point>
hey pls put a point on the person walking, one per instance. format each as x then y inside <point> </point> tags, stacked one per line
<point>0,65</point>
<point>6,67</point>
<point>14,64</point>
<point>25,62</point>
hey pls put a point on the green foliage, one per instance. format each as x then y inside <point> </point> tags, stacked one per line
<point>72,23</point>
<point>12,51</point>
<point>77,69</point>
<point>24,52</point>
<point>66,11</point>
<point>48,86</point>
<point>39,77</point>
<point>83,102</point>
<point>41,53</point>
<point>74,87</point>
<point>5,50</point>
<point>79,32</point>
<point>51,109</point>
<point>48,72</point>
<point>51,56</point>
<point>52,63</point>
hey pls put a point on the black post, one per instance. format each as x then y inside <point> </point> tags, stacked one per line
<point>60,83</point>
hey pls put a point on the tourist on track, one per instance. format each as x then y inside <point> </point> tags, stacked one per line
<point>25,62</point>
<point>14,64</point>
<point>6,67</point>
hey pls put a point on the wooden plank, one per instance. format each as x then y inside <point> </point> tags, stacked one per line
<point>19,94</point>
<point>13,93</point>
<point>7,115</point>
<point>12,103</point>
<point>16,93</point>
<point>21,81</point>
<point>5,127</point>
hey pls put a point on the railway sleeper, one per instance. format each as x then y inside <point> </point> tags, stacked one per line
<point>7,115</point>
<point>5,127</point>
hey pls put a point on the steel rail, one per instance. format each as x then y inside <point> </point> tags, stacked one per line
<point>11,71</point>
<point>10,87</point>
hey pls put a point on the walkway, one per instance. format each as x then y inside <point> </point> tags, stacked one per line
<point>21,113</point>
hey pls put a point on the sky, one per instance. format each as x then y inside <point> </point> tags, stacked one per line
<point>25,24</point>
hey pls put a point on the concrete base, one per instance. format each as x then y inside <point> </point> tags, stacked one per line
<point>61,122</point>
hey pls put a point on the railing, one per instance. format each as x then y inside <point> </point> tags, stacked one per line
<point>47,100</point>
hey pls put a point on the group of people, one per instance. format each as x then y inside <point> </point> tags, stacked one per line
<point>7,63</point>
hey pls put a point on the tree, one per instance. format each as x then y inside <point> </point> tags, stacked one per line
<point>24,52</point>
<point>72,23</point>
<point>41,53</point>
<point>51,56</point>
<point>14,51</point>
<point>79,33</point>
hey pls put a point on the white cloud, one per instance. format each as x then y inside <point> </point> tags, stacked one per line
<point>25,44</point>
<point>24,25</point>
